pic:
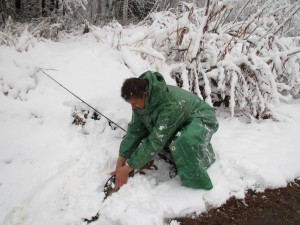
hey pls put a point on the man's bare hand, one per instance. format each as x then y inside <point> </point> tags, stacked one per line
<point>121,174</point>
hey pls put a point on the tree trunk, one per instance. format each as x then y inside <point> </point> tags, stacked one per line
<point>18,6</point>
<point>94,7</point>
<point>3,7</point>
<point>4,12</point>
<point>38,8</point>
<point>102,6</point>
<point>125,12</point>
<point>44,8</point>
<point>52,5</point>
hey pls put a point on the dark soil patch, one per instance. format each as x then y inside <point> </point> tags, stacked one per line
<point>277,207</point>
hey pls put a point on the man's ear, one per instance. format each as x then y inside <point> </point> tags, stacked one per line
<point>145,94</point>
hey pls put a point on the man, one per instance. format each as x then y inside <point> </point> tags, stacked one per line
<point>166,116</point>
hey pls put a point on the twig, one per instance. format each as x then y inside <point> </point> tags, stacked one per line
<point>242,9</point>
<point>227,16</point>
<point>207,7</point>
<point>287,20</point>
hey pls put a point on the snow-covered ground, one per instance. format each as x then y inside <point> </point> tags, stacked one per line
<point>53,172</point>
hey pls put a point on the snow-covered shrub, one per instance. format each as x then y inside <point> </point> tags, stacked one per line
<point>17,79</point>
<point>246,64</point>
<point>23,35</point>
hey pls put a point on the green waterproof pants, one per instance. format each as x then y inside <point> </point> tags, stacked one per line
<point>193,153</point>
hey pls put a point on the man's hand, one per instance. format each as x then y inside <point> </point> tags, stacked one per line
<point>121,174</point>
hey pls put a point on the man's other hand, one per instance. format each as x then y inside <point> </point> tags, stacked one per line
<point>121,174</point>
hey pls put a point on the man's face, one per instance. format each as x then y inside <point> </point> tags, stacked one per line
<point>137,103</point>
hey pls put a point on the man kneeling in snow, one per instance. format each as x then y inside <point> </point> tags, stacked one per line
<point>166,116</point>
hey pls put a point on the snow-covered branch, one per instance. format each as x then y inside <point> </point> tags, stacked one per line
<point>244,63</point>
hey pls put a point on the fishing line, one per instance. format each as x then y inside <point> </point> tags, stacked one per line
<point>109,120</point>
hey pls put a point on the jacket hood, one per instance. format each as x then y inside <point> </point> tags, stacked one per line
<point>156,90</point>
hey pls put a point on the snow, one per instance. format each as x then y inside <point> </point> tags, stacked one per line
<point>53,172</point>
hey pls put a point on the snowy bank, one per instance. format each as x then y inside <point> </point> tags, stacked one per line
<point>53,172</point>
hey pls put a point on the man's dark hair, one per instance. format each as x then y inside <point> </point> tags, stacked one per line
<point>133,87</point>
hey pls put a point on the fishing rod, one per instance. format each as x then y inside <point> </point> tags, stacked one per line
<point>109,120</point>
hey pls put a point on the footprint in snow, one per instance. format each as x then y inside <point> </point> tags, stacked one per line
<point>8,161</point>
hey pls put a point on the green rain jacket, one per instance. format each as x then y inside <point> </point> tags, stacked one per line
<point>176,119</point>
